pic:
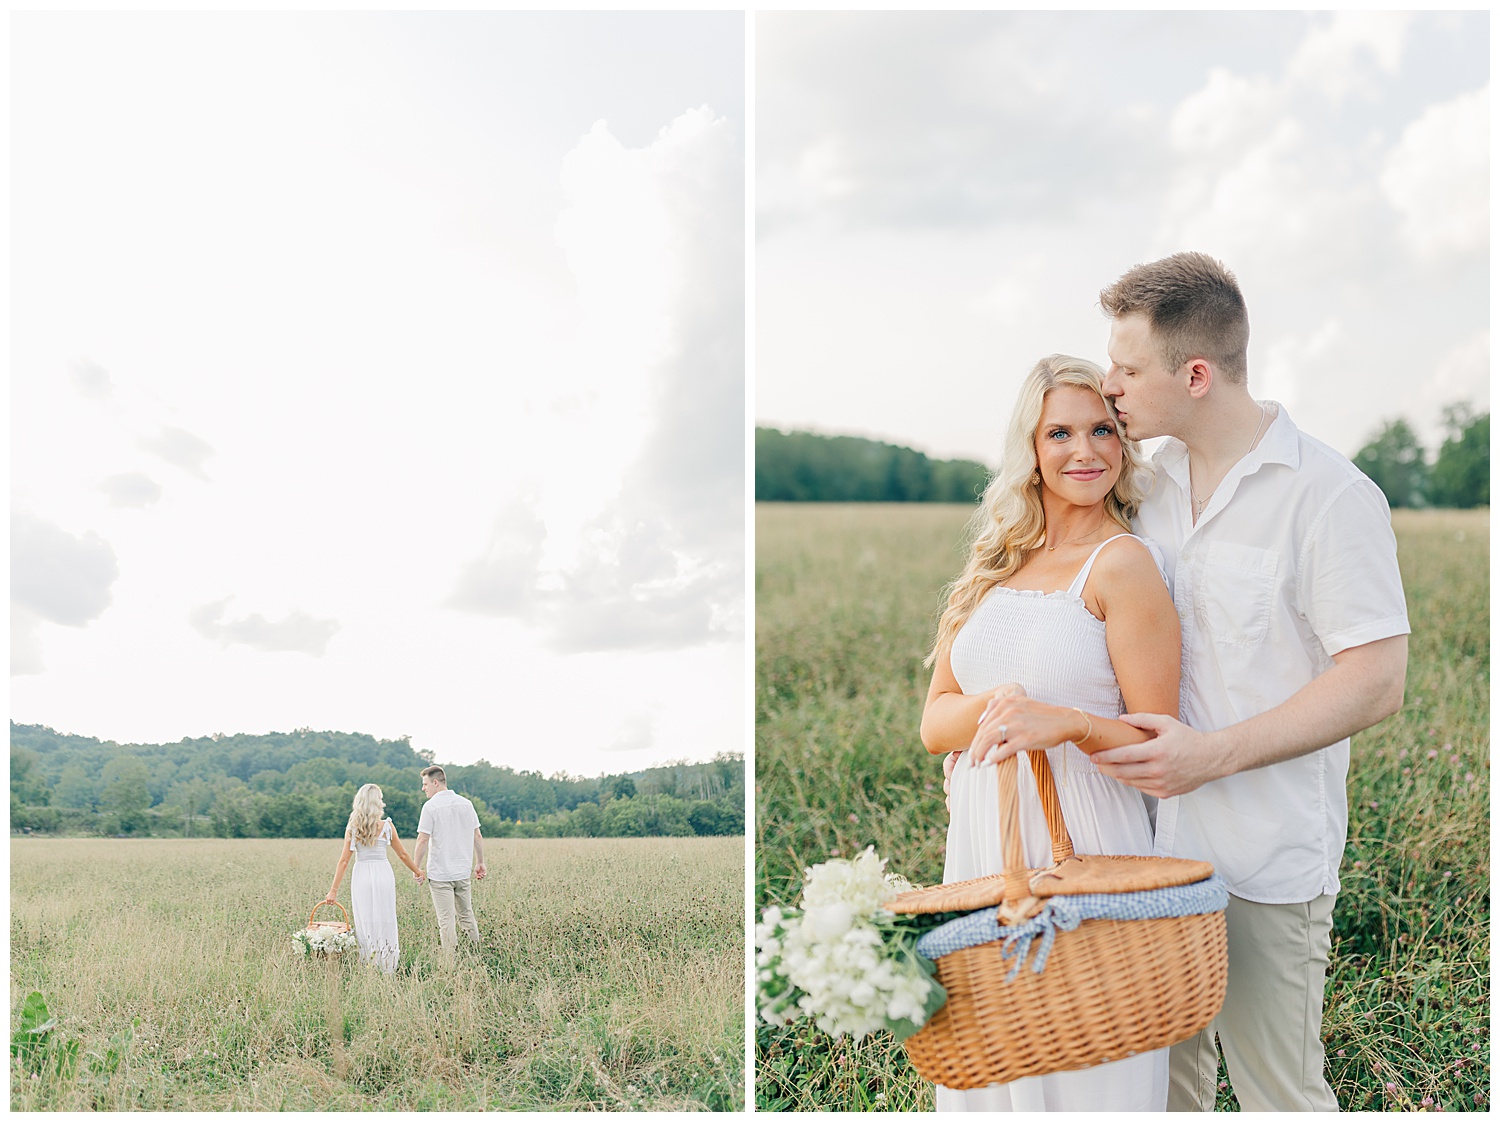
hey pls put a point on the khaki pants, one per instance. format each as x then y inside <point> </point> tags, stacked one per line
<point>450,899</point>
<point>1272,1022</point>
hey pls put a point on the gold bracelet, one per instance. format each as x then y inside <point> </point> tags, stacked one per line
<point>1089,725</point>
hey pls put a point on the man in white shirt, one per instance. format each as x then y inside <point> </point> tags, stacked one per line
<point>1283,568</point>
<point>449,828</point>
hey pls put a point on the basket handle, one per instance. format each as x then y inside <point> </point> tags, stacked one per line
<point>1017,875</point>
<point>324,904</point>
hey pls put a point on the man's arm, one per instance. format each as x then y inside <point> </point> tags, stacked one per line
<point>479,869</point>
<point>1363,687</point>
<point>419,855</point>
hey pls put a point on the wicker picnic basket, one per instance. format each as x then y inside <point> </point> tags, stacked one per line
<point>1108,987</point>
<point>332,926</point>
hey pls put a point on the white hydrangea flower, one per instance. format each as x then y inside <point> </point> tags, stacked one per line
<point>845,960</point>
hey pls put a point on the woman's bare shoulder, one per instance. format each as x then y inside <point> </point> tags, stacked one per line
<point>1128,564</point>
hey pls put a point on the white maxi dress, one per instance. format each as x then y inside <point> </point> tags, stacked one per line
<point>1052,645</point>
<point>372,890</point>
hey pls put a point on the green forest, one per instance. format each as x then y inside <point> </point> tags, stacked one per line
<point>300,785</point>
<point>1457,475</point>
<point>807,467</point>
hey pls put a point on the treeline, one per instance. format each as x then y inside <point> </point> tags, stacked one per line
<point>807,467</point>
<point>1457,476</point>
<point>300,785</point>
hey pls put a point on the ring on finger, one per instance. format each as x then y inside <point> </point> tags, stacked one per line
<point>1002,734</point>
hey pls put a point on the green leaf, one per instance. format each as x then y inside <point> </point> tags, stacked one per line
<point>34,1015</point>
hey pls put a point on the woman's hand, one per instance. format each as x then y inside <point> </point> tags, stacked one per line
<point>330,899</point>
<point>1017,723</point>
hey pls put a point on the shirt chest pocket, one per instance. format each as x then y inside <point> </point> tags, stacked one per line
<point>1236,588</point>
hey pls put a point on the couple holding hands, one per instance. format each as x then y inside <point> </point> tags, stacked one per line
<point>447,837</point>
<point>1192,641</point>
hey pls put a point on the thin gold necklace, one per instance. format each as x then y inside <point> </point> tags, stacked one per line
<point>1199,504</point>
<point>1079,538</point>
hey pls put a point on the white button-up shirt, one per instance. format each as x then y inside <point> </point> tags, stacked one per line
<point>1292,561</point>
<point>449,820</point>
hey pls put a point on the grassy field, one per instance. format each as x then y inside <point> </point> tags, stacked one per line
<point>611,978</point>
<point>846,602</point>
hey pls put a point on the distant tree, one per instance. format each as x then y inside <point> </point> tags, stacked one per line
<point>74,788</point>
<point>27,782</point>
<point>810,467</point>
<point>1393,459</point>
<point>194,797</point>
<point>1461,475</point>
<point>126,792</point>
<point>621,787</point>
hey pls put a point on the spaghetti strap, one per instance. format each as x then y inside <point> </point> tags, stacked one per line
<point>1076,588</point>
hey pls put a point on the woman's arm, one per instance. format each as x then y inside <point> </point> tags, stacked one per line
<point>949,715</point>
<point>1145,645</point>
<point>338,874</point>
<point>401,853</point>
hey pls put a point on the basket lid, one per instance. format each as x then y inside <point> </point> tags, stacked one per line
<point>1077,875</point>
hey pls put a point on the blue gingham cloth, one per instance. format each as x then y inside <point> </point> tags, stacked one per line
<point>1064,913</point>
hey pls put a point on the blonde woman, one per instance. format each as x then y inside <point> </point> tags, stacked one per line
<point>1060,622</point>
<point>372,888</point>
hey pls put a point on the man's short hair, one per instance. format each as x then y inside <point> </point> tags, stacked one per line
<point>436,773</point>
<point>1194,307</point>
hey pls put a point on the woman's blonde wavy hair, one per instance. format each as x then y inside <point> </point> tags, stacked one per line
<point>368,814</point>
<point>1009,525</point>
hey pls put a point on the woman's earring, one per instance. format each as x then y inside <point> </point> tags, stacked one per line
<point>1036,477</point>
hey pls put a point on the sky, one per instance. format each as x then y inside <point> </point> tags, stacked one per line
<point>381,373</point>
<point>941,197</point>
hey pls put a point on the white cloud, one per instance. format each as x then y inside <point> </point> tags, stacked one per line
<point>179,448</point>
<point>60,577</point>
<point>90,379</point>
<point>637,733</point>
<point>503,581</point>
<point>1228,112</point>
<point>634,539</point>
<point>1290,360</point>
<point>1437,178</point>
<point>25,642</point>
<point>131,489</point>
<point>296,631</point>
<point>1336,57</point>
<point>55,577</point>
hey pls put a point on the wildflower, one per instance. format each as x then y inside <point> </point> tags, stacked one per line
<point>1222,1084</point>
<point>1447,747</point>
<point>854,818</point>
<point>1341,1052</point>
<point>1426,1100</point>
<point>1447,873</point>
<point>1391,1087</point>
<point>1468,777</point>
<point>1432,753</point>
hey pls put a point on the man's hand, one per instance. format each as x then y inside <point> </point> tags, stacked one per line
<point>479,871</point>
<point>1177,760</point>
<point>420,876</point>
<point>950,761</point>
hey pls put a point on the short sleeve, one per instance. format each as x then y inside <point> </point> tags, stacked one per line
<point>473,815</point>
<point>424,822</point>
<point>1348,580</point>
<point>1156,555</point>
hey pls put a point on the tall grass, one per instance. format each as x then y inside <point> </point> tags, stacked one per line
<point>846,602</point>
<point>611,977</point>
